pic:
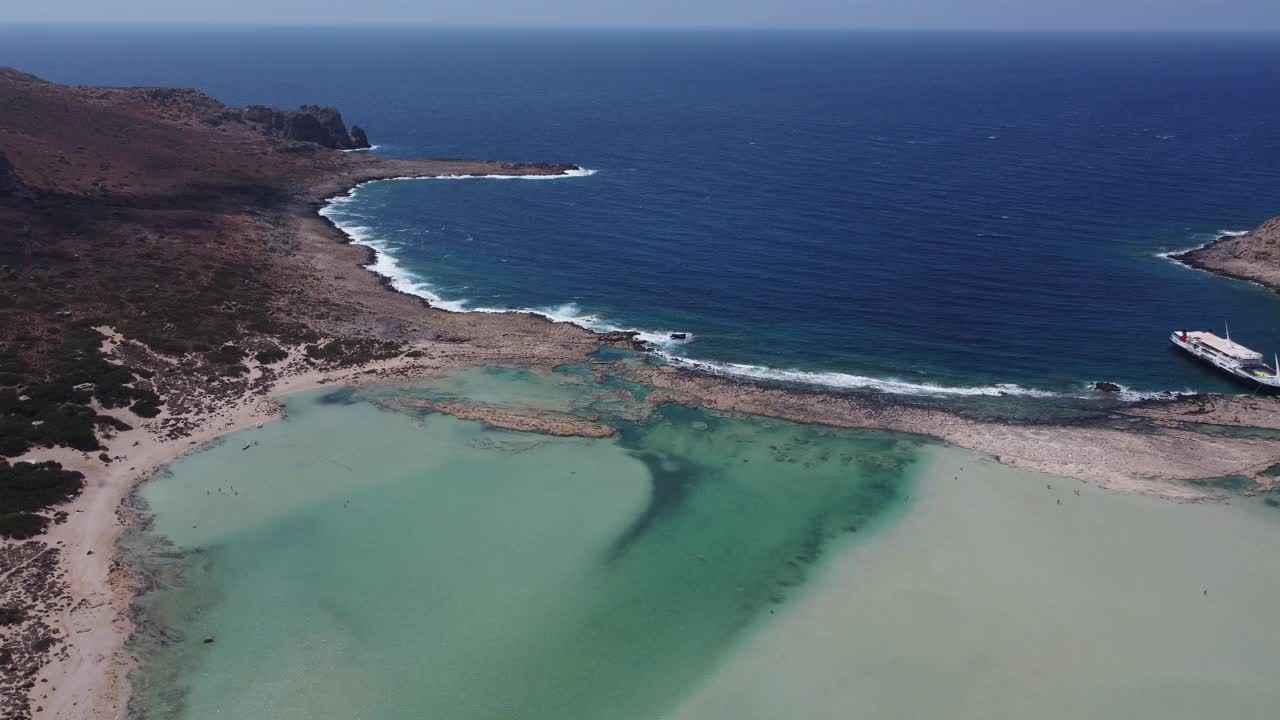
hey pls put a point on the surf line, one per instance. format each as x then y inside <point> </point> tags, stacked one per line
<point>661,342</point>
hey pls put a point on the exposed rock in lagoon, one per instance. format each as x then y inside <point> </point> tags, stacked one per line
<point>543,423</point>
<point>1138,448</point>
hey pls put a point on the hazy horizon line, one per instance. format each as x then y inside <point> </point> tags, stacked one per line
<point>405,26</point>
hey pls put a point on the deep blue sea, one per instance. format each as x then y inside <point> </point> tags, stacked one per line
<point>973,211</point>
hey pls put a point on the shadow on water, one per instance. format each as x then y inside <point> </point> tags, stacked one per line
<point>725,519</point>
<point>739,514</point>
<point>673,479</point>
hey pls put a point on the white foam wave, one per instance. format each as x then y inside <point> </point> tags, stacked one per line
<point>573,173</point>
<point>388,266</point>
<point>848,381</point>
<point>371,147</point>
<point>1169,254</point>
<point>1128,394</point>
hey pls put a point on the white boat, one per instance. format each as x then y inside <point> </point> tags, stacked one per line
<point>1230,357</point>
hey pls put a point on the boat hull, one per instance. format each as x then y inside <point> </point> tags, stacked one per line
<point>1234,373</point>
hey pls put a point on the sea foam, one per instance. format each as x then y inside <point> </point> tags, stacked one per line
<point>1169,254</point>
<point>663,344</point>
<point>846,381</point>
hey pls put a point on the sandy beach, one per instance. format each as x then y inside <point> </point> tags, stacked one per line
<point>265,272</point>
<point>90,668</point>
<point>88,676</point>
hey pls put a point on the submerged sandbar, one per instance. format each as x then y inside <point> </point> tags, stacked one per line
<point>374,556</point>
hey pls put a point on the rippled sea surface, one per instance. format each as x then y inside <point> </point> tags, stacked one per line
<point>967,210</point>
<point>367,559</point>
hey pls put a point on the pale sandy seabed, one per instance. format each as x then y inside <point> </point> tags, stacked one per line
<point>990,600</point>
<point>429,565</point>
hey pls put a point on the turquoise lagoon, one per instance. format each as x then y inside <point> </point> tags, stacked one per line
<point>366,559</point>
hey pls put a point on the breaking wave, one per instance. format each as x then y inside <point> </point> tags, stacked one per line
<point>664,345</point>
<point>1169,254</point>
<point>388,266</point>
<point>847,381</point>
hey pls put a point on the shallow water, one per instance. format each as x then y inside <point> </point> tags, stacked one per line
<point>362,560</point>
<point>991,600</point>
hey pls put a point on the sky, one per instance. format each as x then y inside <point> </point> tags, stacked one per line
<point>1101,15</point>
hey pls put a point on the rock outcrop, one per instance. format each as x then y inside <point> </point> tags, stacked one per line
<point>310,123</point>
<point>1254,256</point>
<point>359,139</point>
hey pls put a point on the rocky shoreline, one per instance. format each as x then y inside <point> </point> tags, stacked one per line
<point>1253,257</point>
<point>229,289</point>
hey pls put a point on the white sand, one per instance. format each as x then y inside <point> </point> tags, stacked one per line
<point>990,600</point>
<point>89,683</point>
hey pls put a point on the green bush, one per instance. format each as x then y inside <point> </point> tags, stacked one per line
<point>270,356</point>
<point>145,408</point>
<point>225,355</point>
<point>20,526</point>
<point>29,487</point>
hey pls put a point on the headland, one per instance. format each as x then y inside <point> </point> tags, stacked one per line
<point>1253,256</point>
<point>167,277</point>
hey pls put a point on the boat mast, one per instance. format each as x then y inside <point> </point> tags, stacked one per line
<point>1227,325</point>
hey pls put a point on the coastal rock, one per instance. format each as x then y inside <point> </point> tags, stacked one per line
<point>519,419</point>
<point>623,339</point>
<point>358,137</point>
<point>1253,256</point>
<point>1106,387</point>
<point>538,168</point>
<point>310,123</point>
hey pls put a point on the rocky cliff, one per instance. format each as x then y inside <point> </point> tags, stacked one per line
<point>309,123</point>
<point>358,137</point>
<point>1254,256</point>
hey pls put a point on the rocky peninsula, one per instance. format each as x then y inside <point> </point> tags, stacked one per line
<point>1253,256</point>
<point>166,276</point>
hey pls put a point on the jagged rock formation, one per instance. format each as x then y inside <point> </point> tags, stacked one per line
<point>1254,256</point>
<point>309,123</point>
<point>358,137</point>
